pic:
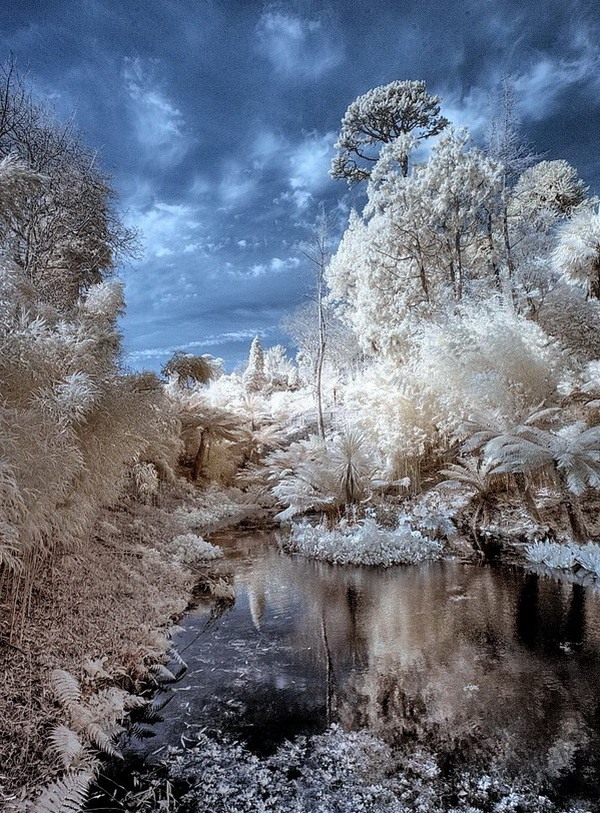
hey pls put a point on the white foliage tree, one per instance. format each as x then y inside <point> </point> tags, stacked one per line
<point>577,253</point>
<point>423,239</point>
<point>547,191</point>
<point>254,375</point>
<point>380,116</point>
<point>280,372</point>
<point>482,360</point>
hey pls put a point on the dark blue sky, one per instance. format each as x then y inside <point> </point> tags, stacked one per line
<point>217,120</point>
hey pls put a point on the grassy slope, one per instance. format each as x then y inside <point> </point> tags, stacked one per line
<point>113,600</point>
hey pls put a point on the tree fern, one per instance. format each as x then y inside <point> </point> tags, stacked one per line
<point>571,454</point>
<point>475,474</point>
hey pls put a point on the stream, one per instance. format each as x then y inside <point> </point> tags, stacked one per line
<point>485,659</point>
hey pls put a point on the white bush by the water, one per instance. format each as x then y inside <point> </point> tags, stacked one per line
<point>363,544</point>
<point>552,554</point>
<point>588,556</point>
<point>190,549</point>
<point>565,556</point>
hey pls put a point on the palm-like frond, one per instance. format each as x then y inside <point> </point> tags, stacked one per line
<point>219,423</point>
<point>319,475</point>
<point>468,472</point>
<point>191,369</point>
<point>573,451</point>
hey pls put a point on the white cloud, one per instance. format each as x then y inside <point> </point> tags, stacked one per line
<point>279,265</point>
<point>236,186</point>
<point>233,336</point>
<point>303,165</point>
<point>309,161</point>
<point>158,123</point>
<point>165,228</point>
<point>539,86</point>
<point>274,266</point>
<point>308,168</point>
<point>296,47</point>
<point>471,110</point>
<point>266,148</point>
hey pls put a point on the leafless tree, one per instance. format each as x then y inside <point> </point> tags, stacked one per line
<point>67,234</point>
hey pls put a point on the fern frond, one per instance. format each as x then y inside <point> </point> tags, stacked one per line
<point>161,674</point>
<point>150,713</point>
<point>66,687</point>
<point>103,742</point>
<point>66,795</point>
<point>142,731</point>
<point>468,472</point>
<point>134,701</point>
<point>94,668</point>
<point>543,415</point>
<point>66,744</point>
<point>182,666</point>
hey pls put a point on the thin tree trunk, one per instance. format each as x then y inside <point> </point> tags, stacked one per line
<point>199,460</point>
<point>510,265</point>
<point>320,359</point>
<point>493,263</point>
<point>318,255</point>
<point>522,485</point>
<point>459,268</point>
<point>575,515</point>
<point>474,528</point>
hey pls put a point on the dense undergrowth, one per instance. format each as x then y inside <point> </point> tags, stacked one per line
<point>341,772</point>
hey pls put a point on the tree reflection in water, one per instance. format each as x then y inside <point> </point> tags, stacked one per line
<point>479,660</point>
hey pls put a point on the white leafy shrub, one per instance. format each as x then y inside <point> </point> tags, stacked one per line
<point>104,300</point>
<point>190,549</point>
<point>578,250</point>
<point>588,556</point>
<point>552,554</point>
<point>70,399</point>
<point>363,544</point>
<point>565,557</point>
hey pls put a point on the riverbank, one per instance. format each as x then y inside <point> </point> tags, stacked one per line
<point>103,618</point>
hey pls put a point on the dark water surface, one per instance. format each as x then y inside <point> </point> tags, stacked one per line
<point>483,656</point>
